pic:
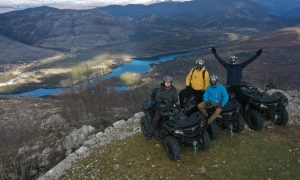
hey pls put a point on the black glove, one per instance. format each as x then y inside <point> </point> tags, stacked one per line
<point>213,50</point>
<point>258,53</point>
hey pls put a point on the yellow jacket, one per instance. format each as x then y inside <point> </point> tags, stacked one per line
<point>195,79</point>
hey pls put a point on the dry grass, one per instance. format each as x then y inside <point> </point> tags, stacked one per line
<point>250,155</point>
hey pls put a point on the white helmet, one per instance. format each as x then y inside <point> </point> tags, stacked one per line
<point>199,62</point>
<point>233,59</point>
<point>214,80</point>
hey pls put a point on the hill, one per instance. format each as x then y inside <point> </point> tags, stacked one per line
<point>249,155</point>
<point>280,60</point>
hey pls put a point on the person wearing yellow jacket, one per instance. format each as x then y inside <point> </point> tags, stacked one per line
<point>196,82</point>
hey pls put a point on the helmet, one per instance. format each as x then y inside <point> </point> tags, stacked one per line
<point>214,80</point>
<point>233,59</point>
<point>168,78</point>
<point>199,62</point>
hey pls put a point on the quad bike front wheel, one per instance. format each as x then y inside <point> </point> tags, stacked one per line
<point>283,119</point>
<point>172,148</point>
<point>204,141</point>
<point>213,131</point>
<point>255,120</point>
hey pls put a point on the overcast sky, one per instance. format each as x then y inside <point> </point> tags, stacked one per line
<point>10,5</point>
<point>82,2</point>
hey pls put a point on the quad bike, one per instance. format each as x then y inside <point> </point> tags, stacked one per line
<point>176,128</point>
<point>259,107</point>
<point>230,118</point>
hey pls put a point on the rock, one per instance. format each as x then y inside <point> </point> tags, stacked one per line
<point>46,157</point>
<point>89,143</point>
<point>139,115</point>
<point>35,148</point>
<point>77,137</point>
<point>82,151</point>
<point>24,150</point>
<point>54,122</point>
<point>119,124</point>
<point>69,152</point>
<point>33,172</point>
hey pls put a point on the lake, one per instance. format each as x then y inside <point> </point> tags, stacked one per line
<point>137,65</point>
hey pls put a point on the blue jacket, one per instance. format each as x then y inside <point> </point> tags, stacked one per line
<point>216,94</point>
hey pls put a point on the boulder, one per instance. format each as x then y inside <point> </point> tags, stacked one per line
<point>77,137</point>
<point>54,122</point>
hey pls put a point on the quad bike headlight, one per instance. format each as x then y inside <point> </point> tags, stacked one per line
<point>178,132</point>
<point>263,106</point>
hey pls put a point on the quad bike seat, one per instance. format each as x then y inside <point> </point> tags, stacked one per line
<point>229,107</point>
<point>182,121</point>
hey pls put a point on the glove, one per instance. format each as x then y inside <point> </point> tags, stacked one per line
<point>258,53</point>
<point>213,50</point>
<point>208,103</point>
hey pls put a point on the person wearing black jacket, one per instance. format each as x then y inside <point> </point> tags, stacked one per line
<point>166,94</point>
<point>234,70</point>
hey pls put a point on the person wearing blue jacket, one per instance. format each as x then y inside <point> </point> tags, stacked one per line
<point>215,96</point>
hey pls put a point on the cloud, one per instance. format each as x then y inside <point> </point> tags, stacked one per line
<point>107,2</point>
<point>8,5</point>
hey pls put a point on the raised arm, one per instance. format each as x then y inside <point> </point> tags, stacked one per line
<point>258,53</point>
<point>221,61</point>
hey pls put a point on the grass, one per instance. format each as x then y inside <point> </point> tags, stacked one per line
<point>272,153</point>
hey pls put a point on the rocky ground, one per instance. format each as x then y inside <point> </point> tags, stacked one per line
<point>34,132</point>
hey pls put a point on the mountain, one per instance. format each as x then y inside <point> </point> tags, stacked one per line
<point>284,8</point>
<point>14,51</point>
<point>64,29</point>
<point>137,30</point>
<point>280,60</point>
<point>230,13</point>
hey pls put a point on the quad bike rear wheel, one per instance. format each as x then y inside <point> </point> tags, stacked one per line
<point>172,148</point>
<point>238,124</point>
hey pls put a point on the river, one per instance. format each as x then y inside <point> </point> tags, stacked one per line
<point>137,65</point>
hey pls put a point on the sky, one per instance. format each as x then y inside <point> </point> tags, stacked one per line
<point>9,5</point>
<point>77,2</point>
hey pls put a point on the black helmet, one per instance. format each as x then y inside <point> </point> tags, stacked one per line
<point>233,59</point>
<point>214,80</point>
<point>168,78</point>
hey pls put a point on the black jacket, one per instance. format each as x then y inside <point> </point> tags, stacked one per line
<point>234,72</point>
<point>166,95</point>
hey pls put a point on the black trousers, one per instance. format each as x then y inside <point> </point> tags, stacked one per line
<point>189,92</point>
<point>236,89</point>
<point>154,122</point>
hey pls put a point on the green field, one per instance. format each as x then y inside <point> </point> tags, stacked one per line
<point>269,154</point>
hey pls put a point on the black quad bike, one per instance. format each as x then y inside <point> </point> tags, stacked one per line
<point>230,118</point>
<point>260,107</point>
<point>176,128</point>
